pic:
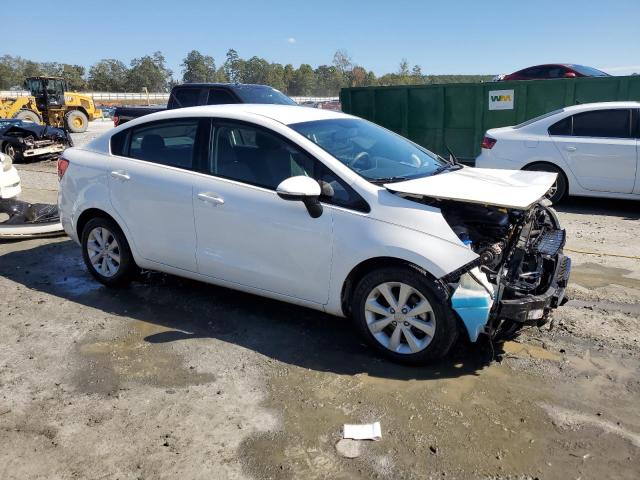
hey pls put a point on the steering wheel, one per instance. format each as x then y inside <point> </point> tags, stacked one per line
<point>359,157</point>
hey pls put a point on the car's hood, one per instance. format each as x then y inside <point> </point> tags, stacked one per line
<point>38,131</point>
<point>503,188</point>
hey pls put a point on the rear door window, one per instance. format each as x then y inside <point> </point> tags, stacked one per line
<point>219,96</point>
<point>186,97</point>
<point>169,142</point>
<point>614,123</point>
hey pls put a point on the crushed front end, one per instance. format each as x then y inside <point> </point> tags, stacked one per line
<point>27,141</point>
<point>519,255</point>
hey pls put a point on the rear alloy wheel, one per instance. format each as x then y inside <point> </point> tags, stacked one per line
<point>401,316</point>
<point>559,189</point>
<point>106,252</point>
<point>76,121</point>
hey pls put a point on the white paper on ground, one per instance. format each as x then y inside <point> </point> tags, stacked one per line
<point>370,431</point>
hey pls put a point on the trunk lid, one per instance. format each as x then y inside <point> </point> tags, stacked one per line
<point>502,188</point>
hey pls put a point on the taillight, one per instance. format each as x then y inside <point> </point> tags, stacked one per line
<point>116,120</point>
<point>488,142</point>
<point>63,164</point>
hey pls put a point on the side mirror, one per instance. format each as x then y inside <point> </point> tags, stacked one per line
<point>303,189</point>
<point>569,75</point>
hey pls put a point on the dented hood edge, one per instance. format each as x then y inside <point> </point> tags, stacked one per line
<point>502,188</point>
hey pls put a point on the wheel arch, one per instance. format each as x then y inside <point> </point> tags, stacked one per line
<point>90,213</point>
<point>559,167</point>
<point>369,265</point>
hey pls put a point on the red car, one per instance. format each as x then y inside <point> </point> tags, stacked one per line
<point>555,70</point>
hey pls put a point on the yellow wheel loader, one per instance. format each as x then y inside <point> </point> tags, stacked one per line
<point>51,103</point>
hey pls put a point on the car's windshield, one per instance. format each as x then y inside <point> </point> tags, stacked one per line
<point>589,71</point>
<point>262,94</point>
<point>372,151</point>
<point>6,124</point>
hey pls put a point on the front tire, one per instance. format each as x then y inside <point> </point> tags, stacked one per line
<point>76,121</point>
<point>400,314</point>
<point>560,187</point>
<point>10,150</point>
<point>106,252</point>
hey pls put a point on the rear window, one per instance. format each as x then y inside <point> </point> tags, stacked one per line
<point>540,117</point>
<point>589,71</point>
<point>262,94</point>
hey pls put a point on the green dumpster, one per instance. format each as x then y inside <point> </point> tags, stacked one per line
<point>457,115</point>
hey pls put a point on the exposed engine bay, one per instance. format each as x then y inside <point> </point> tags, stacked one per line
<point>519,254</point>
<point>23,140</point>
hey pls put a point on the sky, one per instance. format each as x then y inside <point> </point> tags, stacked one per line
<point>444,37</point>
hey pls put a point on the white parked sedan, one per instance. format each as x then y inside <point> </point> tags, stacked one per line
<point>320,209</point>
<point>592,147</point>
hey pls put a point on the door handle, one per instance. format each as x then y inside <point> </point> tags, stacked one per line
<point>120,175</point>
<point>210,198</point>
<point>570,148</point>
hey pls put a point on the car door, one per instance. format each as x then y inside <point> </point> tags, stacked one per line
<point>150,186</point>
<point>600,150</point>
<point>247,234</point>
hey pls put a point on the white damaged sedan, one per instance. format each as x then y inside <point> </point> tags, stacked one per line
<point>324,210</point>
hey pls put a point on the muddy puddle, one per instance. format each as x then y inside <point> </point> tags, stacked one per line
<point>593,275</point>
<point>106,366</point>
<point>495,421</point>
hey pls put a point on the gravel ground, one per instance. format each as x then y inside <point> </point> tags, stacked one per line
<point>176,379</point>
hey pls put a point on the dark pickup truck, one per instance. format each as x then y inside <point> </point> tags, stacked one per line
<point>193,94</point>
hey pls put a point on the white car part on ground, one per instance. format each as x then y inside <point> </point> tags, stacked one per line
<point>9,178</point>
<point>20,219</point>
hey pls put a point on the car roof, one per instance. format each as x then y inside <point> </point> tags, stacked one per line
<point>285,114</point>
<point>602,105</point>
<point>223,84</point>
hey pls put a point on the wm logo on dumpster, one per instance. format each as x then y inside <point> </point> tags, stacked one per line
<point>501,100</point>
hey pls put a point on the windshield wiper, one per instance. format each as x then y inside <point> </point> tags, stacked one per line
<point>383,180</point>
<point>447,167</point>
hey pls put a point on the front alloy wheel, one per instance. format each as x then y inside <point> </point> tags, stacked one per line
<point>400,318</point>
<point>402,314</point>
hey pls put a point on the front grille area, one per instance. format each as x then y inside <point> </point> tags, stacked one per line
<point>550,242</point>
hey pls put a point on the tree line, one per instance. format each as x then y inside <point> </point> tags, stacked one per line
<point>151,72</point>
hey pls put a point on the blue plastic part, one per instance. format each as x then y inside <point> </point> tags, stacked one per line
<point>473,306</point>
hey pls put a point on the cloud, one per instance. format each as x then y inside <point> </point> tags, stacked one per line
<point>291,40</point>
<point>622,70</point>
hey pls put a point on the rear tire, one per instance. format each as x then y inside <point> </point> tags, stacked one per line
<point>76,121</point>
<point>382,306</point>
<point>106,252</point>
<point>28,116</point>
<point>559,190</point>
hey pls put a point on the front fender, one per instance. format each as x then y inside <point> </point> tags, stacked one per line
<point>360,239</point>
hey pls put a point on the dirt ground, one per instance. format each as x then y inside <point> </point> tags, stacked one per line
<point>176,379</point>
